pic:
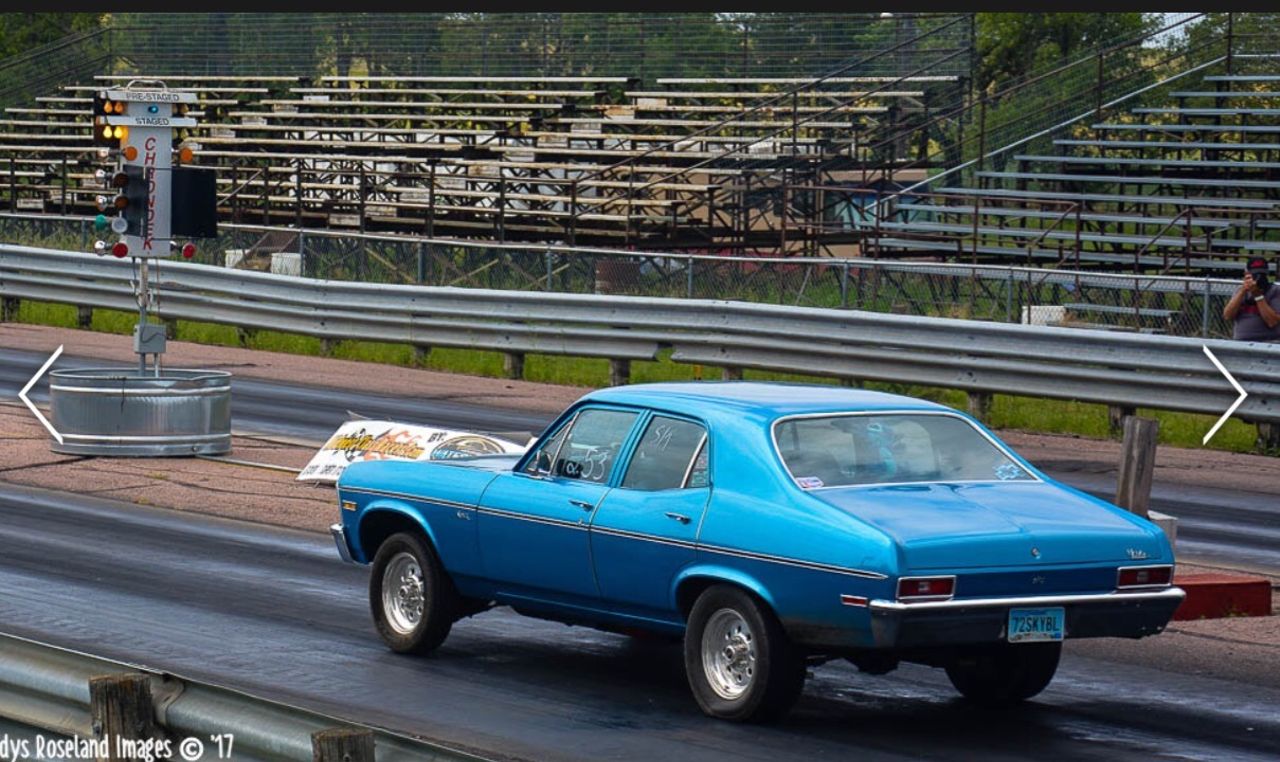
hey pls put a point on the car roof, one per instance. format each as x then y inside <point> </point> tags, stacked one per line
<point>756,399</point>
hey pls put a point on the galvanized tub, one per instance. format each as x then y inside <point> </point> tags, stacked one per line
<point>113,411</point>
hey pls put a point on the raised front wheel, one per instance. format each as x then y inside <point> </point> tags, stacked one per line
<point>413,601</point>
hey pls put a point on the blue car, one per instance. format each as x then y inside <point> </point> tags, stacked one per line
<point>771,527</point>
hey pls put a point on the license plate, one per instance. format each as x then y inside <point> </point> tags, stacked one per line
<point>1035,625</point>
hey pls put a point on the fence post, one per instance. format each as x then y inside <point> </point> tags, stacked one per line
<point>513,365</point>
<point>342,745</point>
<point>1204,313</point>
<point>619,372</point>
<point>1137,464</point>
<point>688,280</point>
<point>550,267</point>
<point>844,285</point>
<point>979,405</point>
<point>1115,418</point>
<point>122,710</point>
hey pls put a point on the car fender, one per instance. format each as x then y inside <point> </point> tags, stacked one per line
<point>720,573</point>
<point>390,506</point>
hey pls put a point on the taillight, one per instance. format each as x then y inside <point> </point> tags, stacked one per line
<point>1144,576</point>
<point>926,588</point>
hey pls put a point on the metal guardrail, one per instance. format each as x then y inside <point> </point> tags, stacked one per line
<point>1124,370</point>
<point>45,690</point>
<point>1178,305</point>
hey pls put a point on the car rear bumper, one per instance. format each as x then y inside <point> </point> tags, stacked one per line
<point>340,539</point>
<point>984,620</point>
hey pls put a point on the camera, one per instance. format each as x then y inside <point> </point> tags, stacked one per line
<point>1259,270</point>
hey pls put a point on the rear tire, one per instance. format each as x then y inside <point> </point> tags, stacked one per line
<point>738,660</point>
<point>413,601</point>
<point>1005,674</point>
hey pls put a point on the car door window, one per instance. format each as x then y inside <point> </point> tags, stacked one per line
<point>592,444</point>
<point>540,463</point>
<point>667,455</point>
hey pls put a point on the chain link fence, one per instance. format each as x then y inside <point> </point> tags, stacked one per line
<point>1181,306</point>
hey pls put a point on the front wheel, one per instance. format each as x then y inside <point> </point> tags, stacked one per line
<point>1005,674</point>
<point>738,660</point>
<point>412,599</point>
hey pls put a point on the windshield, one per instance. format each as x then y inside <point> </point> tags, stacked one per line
<point>841,450</point>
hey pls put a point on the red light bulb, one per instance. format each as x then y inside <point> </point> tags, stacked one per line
<point>121,249</point>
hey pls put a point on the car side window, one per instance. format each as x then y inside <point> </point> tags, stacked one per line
<point>540,463</point>
<point>668,456</point>
<point>592,444</point>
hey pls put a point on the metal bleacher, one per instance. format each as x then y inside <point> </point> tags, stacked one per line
<point>681,162</point>
<point>1190,185</point>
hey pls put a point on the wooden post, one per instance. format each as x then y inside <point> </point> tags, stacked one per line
<point>1115,418</point>
<point>731,373</point>
<point>980,405</point>
<point>9,309</point>
<point>1268,437</point>
<point>327,346</point>
<point>513,364</point>
<point>342,745</point>
<point>619,372</point>
<point>170,327</point>
<point>122,711</point>
<point>420,355</point>
<point>1137,464</point>
<point>84,317</point>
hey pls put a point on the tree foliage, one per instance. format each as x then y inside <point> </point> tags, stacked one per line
<point>1013,45</point>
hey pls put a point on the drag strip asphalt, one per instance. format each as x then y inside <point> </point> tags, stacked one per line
<point>1239,526</point>
<point>273,612</point>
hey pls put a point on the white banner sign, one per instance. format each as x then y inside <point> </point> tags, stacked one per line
<point>384,440</point>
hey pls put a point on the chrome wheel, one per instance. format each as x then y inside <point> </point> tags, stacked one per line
<point>403,596</point>
<point>728,654</point>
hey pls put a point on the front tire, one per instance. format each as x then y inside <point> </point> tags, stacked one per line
<point>738,660</point>
<point>412,599</point>
<point>1002,675</point>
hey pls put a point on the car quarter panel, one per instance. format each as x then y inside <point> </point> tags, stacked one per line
<point>809,560</point>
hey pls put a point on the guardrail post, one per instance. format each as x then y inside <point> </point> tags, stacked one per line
<point>122,712</point>
<point>513,364</point>
<point>731,373</point>
<point>979,405</point>
<point>342,745</point>
<point>1115,418</point>
<point>619,372</point>
<point>1137,464</point>
<point>84,318</point>
<point>1268,437</point>
<point>9,309</point>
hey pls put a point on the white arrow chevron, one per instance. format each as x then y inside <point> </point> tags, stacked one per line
<point>22,395</point>
<point>1234,405</point>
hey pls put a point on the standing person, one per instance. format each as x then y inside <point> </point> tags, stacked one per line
<point>1255,307</point>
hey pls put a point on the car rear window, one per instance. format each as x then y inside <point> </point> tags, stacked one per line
<point>843,450</point>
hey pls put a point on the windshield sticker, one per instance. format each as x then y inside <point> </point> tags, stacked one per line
<point>808,482</point>
<point>1008,471</point>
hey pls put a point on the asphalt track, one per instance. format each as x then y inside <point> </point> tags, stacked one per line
<point>273,612</point>
<point>1235,526</point>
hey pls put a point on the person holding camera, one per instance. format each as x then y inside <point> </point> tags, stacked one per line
<point>1255,307</point>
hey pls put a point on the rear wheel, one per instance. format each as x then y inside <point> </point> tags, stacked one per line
<point>413,601</point>
<point>738,660</point>
<point>1005,674</point>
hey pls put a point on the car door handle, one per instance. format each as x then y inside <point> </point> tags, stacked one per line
<point>683,519</point>
<point>583,504</point>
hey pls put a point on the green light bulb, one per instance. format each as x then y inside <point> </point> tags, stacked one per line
<point>100,222</point>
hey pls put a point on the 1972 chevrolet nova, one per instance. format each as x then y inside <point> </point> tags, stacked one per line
<point>771,526</point>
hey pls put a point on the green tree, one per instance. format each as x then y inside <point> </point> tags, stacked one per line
<point>1014,45</point>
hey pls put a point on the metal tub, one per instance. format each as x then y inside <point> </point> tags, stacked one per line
<point>113,411</point>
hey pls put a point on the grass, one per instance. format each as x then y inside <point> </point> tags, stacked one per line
<point>1007,411</point>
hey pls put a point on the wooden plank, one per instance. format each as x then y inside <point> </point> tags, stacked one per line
<point>1137,464</point>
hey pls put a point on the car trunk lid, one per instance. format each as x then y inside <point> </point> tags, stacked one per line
<point>973,525</point>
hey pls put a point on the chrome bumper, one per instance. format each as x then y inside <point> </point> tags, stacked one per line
<point>977,620</point>
<point>340,539</point>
